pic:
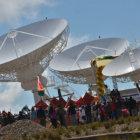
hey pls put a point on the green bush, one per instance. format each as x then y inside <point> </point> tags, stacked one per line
<point>84,128</point>
<point>71,128</point>
<point>44,134</point>
<point>113,122</point>
<point>78,130</point>
<point>129,119</point>
<point>93,127</point>
<point>136,119</point>
<point>86,132</point>
<point>130,130</point>
<point>107,125</point>
<point>67,135</point>
<point>53,135</point>
<point>60,130</point>
<point>121,121</point>
<point>36,136</point>
<point>111,130</point>
<point>139,129</point>
<point>125,128</point>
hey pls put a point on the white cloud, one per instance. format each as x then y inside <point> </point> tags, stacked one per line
<point>9,95</point>
<point>72,40</point>
<point>14,10</point>
<point>14,109</point>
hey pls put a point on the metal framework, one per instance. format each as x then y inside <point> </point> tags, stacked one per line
<point>123,79</point>
<point>53,81</point>
<point>115,85</point>
<point>85,76</point>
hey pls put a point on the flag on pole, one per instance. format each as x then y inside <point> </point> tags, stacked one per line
<point>40,88</point>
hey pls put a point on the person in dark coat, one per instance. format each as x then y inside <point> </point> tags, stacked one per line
<point>53,117</point>
<point>118,107</point>
<point>88,113</point>
<point>21,116</point>
<point>4,120</point>
<point>61,114</point>
<point>41,116</point>
<point>133,107</point>
<point>10,118</point>
<point>72,112</point>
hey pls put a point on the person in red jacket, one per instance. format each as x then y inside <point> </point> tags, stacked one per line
<point>101,111</point>
<point>114,110</point>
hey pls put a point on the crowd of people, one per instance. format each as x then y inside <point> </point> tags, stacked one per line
<point>8,118</point>
<point>77,114</point>
<point>84,114</point>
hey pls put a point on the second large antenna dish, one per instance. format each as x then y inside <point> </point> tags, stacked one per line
<point>74,63</point>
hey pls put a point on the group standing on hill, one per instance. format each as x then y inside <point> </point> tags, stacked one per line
<point>76,114</point>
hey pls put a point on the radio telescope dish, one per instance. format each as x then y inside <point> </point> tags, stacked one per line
<point>31,45</point>
<point>74,64</point>
<point>127,65</point>
<point>26,52</point>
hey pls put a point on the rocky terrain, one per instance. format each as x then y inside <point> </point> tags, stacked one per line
<point>20,128</point>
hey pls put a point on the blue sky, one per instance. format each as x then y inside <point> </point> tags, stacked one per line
<point>87,20</point>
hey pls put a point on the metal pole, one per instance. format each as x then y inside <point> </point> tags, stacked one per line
<point>62,115</point>
<point>60,98</point>
<point>36,96</point>
<point>137,86</point>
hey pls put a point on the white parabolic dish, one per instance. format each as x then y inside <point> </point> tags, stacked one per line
<point>128,64</point>
<point>73,61</point>
<point>29,45</point>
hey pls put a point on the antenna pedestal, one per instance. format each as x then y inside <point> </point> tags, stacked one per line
<point>37,98</point>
